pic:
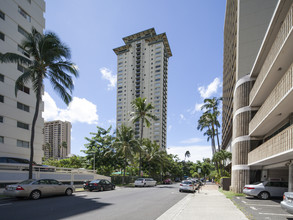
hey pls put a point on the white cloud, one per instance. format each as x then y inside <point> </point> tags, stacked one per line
<point>197,152</point>
<point>211,88</point>
<point>182,117</point>
<point>107,74</point>
<point>169,128</point>
<point>78,110</point>
<point>196,108</point>
<point>191,141</point>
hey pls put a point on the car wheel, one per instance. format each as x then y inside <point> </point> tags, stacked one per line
<point>264,195</point>
<point>36,194</point>
<point>91,190</point>
<point>101,189</point>
<point>180,190</point>
<point>113,187</point>
<point>68,192</point>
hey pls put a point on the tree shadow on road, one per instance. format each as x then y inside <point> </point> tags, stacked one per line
<point>51,208</point>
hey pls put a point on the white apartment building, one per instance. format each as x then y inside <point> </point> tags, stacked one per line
<point>142,71</point>
<point>17,17</point>
<point>57,139</point>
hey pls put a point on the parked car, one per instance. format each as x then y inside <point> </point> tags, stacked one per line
<point>167,181</point>
<point>86,184</point>
<point>177,179</point>
<point>187,185</point>
<point>35,189</point>
<point>100,185</point>
<point>266,189</point>
<point>287,203</point>
<point>145,182</point>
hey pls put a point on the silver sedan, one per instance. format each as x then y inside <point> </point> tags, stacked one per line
<point>287,203</point>
<point>36,189</point>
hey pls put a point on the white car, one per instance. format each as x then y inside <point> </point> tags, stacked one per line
<point>187,185</point>
<point>266,189</point>
<point>145,182</point>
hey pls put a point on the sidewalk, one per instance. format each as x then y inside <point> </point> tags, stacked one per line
<point>209,204</point>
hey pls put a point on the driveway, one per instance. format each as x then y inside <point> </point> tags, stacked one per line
<point>257,209</point>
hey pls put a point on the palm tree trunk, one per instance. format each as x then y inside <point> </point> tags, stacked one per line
<point>219,148</point>
<point>141,135</point>
<point>38,96</point>
<point>123,180</point>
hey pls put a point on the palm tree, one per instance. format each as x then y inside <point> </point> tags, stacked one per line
<point>126,145</point>
<point>221,157</point>
<point>206,122</point>
<point>211,106</point>
<point>187,154</point>
<point>51,60</point>
<point>155,156</point>
<point>142,114</point>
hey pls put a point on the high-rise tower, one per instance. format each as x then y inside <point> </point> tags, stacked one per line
<point>57,139</point>
<point>142,71</point>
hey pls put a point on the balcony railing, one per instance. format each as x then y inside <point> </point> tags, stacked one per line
<point>282,35</point>
<point>276,145</point>
<point>278,93</point>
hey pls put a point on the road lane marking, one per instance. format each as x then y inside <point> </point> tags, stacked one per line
<point>264,205</point>
<point>237,197</point>
<point>5,204</point>
<point>288,215</point>
<point>244,202</point>
<point>253,208</point>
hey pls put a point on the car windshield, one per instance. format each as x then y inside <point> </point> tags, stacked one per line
<point>139,179</point>
<point>27,181</point>
<point>186,182</point>
<point>256,183</point>
<point>95,181</point>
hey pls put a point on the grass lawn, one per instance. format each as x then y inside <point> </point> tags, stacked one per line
<point>230,194</point>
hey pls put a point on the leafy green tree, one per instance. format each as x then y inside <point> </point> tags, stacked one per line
<point>50,59</point>
<point>142,113</point>
<point>99,151</point>
<point>71,162</point>
<point>125,145</point>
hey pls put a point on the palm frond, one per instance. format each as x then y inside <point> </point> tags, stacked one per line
<point>14,58</point>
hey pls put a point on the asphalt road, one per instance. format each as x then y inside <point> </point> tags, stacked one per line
<point>122,203</point>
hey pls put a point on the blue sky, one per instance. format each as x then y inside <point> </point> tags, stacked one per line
<point>92,28</point>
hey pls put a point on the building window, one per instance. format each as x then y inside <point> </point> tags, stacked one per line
<point>1,77</point>
<point>157,71</point>
<point>24,89</point>
<point>20,68</point>
<point>2,15</point>
<point>2,36</point>
<point>22,31</point>
<point>22,125</point>
<point>23,51</point>
<point>1,139</point>
<point>24,14</point>
<point>1,119</point>
<point>1,98</point>
<point>22,144</point>
<point>23,107</point>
